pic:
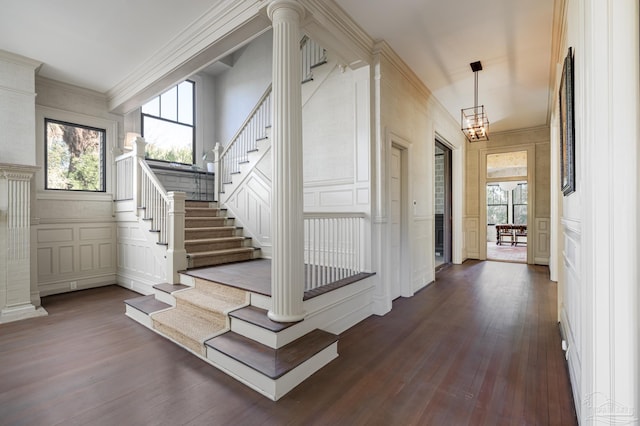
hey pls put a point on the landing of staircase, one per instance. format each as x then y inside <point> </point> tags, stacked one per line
<point>255,276</point>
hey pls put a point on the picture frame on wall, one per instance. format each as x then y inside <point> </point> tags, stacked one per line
<point>567,127</point>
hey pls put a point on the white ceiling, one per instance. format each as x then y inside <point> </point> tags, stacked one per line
<point>96,44</point>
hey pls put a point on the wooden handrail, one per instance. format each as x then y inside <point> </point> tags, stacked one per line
<point>247,120</point>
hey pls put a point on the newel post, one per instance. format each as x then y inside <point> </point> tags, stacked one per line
<point>217,184</point>
<point>138,155</point>
<point>176,253</point>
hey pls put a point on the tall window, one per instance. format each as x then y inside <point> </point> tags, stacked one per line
<point>74,157</point>
<point>168,124</point>
<point>497,205</point>
<point>520,204</point>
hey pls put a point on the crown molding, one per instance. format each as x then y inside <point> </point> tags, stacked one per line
<point>209,37</point>
<point>55,84</point>
<point>382,48</point>
<point>20,60</point>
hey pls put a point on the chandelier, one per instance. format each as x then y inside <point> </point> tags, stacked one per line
<point>474,121</point>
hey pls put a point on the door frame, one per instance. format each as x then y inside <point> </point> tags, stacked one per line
<point>405,147</point>
<point>448,203</point>
<point>531,190</point>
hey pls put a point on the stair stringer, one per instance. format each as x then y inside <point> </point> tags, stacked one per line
<point>140,260</point>
<point>249,200</point>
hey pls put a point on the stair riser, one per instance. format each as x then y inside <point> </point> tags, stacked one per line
<point>206,222</point>
<point>226,292</point>
<point>201,247</point>
<point>202,213</point>
<point>218,260</point>
<point>210,233</point>
<point>205,204</point>
<point>177,336</point>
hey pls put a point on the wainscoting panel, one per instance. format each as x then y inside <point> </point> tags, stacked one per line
<point>75,255</point>
<point>472,236</point>
<point>137,262</point>
<point>422,252</point>
<point>571,309</point>
<point>542,240</point>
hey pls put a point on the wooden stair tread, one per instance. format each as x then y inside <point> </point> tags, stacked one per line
<point>258,317</point>
<point>223,252</point>
<point>215,240</point>
<point>214,302</point>
<point>147,304</point>
<point>170,288</point>
<point>273,363</point>
<point>211,228</point>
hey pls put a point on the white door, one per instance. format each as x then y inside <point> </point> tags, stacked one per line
<point>395,240</point>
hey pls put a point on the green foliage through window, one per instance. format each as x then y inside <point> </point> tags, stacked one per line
<point>74,157</point>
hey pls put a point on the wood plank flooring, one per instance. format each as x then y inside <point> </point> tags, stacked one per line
<point>480,346</point>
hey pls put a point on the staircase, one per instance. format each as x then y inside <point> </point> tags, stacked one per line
<point>211,237</point>
<point>226,326</point>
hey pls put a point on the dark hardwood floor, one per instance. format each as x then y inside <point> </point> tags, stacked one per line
<point>479,346</point>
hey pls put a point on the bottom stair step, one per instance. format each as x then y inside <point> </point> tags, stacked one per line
<point>147,304</point>
<point>189,330</point>
<point>273,363</point>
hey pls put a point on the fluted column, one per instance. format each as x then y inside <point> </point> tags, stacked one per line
<point>287,267</point>
<point>15,243</point>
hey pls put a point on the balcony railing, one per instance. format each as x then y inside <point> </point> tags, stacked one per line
<point>333,247</point>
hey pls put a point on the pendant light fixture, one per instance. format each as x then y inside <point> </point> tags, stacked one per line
<point>474,121</point>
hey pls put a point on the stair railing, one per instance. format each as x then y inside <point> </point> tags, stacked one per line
<point>164,210</point>
<point>312,55</point>
<point>254,128</point>
<point>333,247</point>
<point>244,141</point>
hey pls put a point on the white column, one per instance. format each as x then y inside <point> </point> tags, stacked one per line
<point>287,267</point>
<point>15,243</point>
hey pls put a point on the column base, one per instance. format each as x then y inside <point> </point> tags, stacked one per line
<point>21,312</point>
<point>285,318</point>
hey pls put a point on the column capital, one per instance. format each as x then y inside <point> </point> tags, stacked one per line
<point>285,4</point>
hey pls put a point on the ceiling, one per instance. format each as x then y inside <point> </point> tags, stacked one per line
<point>437,39</point>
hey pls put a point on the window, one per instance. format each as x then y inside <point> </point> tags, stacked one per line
<point>520,204</point>
<point>168,125</point>
<point>74,157</point>
<point>497,205</point>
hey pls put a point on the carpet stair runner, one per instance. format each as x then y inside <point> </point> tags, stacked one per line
<point>211,238</point>
<point>200,313</point>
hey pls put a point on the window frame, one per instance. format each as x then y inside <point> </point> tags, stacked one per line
<point>506,206</point>
<point>103,155</point>
<point>143,115</point>
<point>514,204</point>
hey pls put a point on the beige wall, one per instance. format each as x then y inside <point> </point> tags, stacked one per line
<point>407,115</point>
<point>537,142</point>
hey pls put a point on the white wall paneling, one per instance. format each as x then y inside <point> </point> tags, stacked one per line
<point>140,262</point>
<point>542,235</point>
<point>75,255</point>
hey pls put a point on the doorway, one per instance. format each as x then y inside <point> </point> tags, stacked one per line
<point>398,220</point>
<point>507,205</point>
<point>442,221</point>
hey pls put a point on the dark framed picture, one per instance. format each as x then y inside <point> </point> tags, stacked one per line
<point>567,128</point>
